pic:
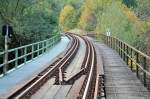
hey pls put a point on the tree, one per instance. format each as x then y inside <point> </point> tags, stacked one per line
<point>88,17</point>
<point>13,9</point>
<point>130,3</point>
<point>67,18</point>
<point>143,9</point>
<point>32,20</point>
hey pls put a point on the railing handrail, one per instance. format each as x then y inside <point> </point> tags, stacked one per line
<point>27,45</point>
<point>138,51</point>
<point>135,59</point>
<point>28,52</point>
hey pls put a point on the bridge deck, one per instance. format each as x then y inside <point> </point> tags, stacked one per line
<point>120,81</point>
<point>75,65</point>
<point>18,77</point>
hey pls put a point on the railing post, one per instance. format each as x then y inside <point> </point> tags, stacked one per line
<point>144,76</point>
<point>46,45</point>
<point>111,42</point>
<point>137,67</point>
<point>117,44</point>
<point>107,40</point>
<point>124,51</point>
<point>119,47</point>
<point>16,56</point>
<point>32,55</point>
<point>43,46</point>
<point>38,49</point>
<point>127,56</point>
<point>121,50</point>
<point>25,52</point>
<point>131,59</point>
<point>5,67</point>
<point>101,37</point>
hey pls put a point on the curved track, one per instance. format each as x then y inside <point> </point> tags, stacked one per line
<point>89,65</point>
<point>33,85</point>
<point>90,85</point>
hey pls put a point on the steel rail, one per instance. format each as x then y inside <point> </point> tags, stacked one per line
<point>63,66</point>
<point>38,81</point>
<point>85,63</point>
<point>90,77</point>
<point>89,68</point>
<point>90,87</point>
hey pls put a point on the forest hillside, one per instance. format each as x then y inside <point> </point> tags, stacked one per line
<point>35,20</point>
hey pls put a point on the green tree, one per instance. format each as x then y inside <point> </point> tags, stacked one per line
<point>130,3</point>
<point>32,20</point>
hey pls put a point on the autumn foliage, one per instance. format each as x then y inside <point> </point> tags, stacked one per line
<point>67,18</point>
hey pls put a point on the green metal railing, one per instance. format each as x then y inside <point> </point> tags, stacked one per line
<point>135,59</point>
<point>24,54</point>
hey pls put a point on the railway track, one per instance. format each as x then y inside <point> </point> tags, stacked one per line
<point>33,85</point>
<point>93,86</point>
<point>87,90</point>
<point>92,83</point>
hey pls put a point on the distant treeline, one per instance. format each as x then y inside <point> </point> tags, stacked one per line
<point>128,20</point>
<point>35,20</point>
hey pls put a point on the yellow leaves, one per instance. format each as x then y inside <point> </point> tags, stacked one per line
<point>83,18</point>
<point>87,18</point>
<point>90,5</point>
<point>66,14</point>
<point>91,13</point>
<point>132,17</point>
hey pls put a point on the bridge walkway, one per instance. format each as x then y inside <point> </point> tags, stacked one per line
<point>120,81</point>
